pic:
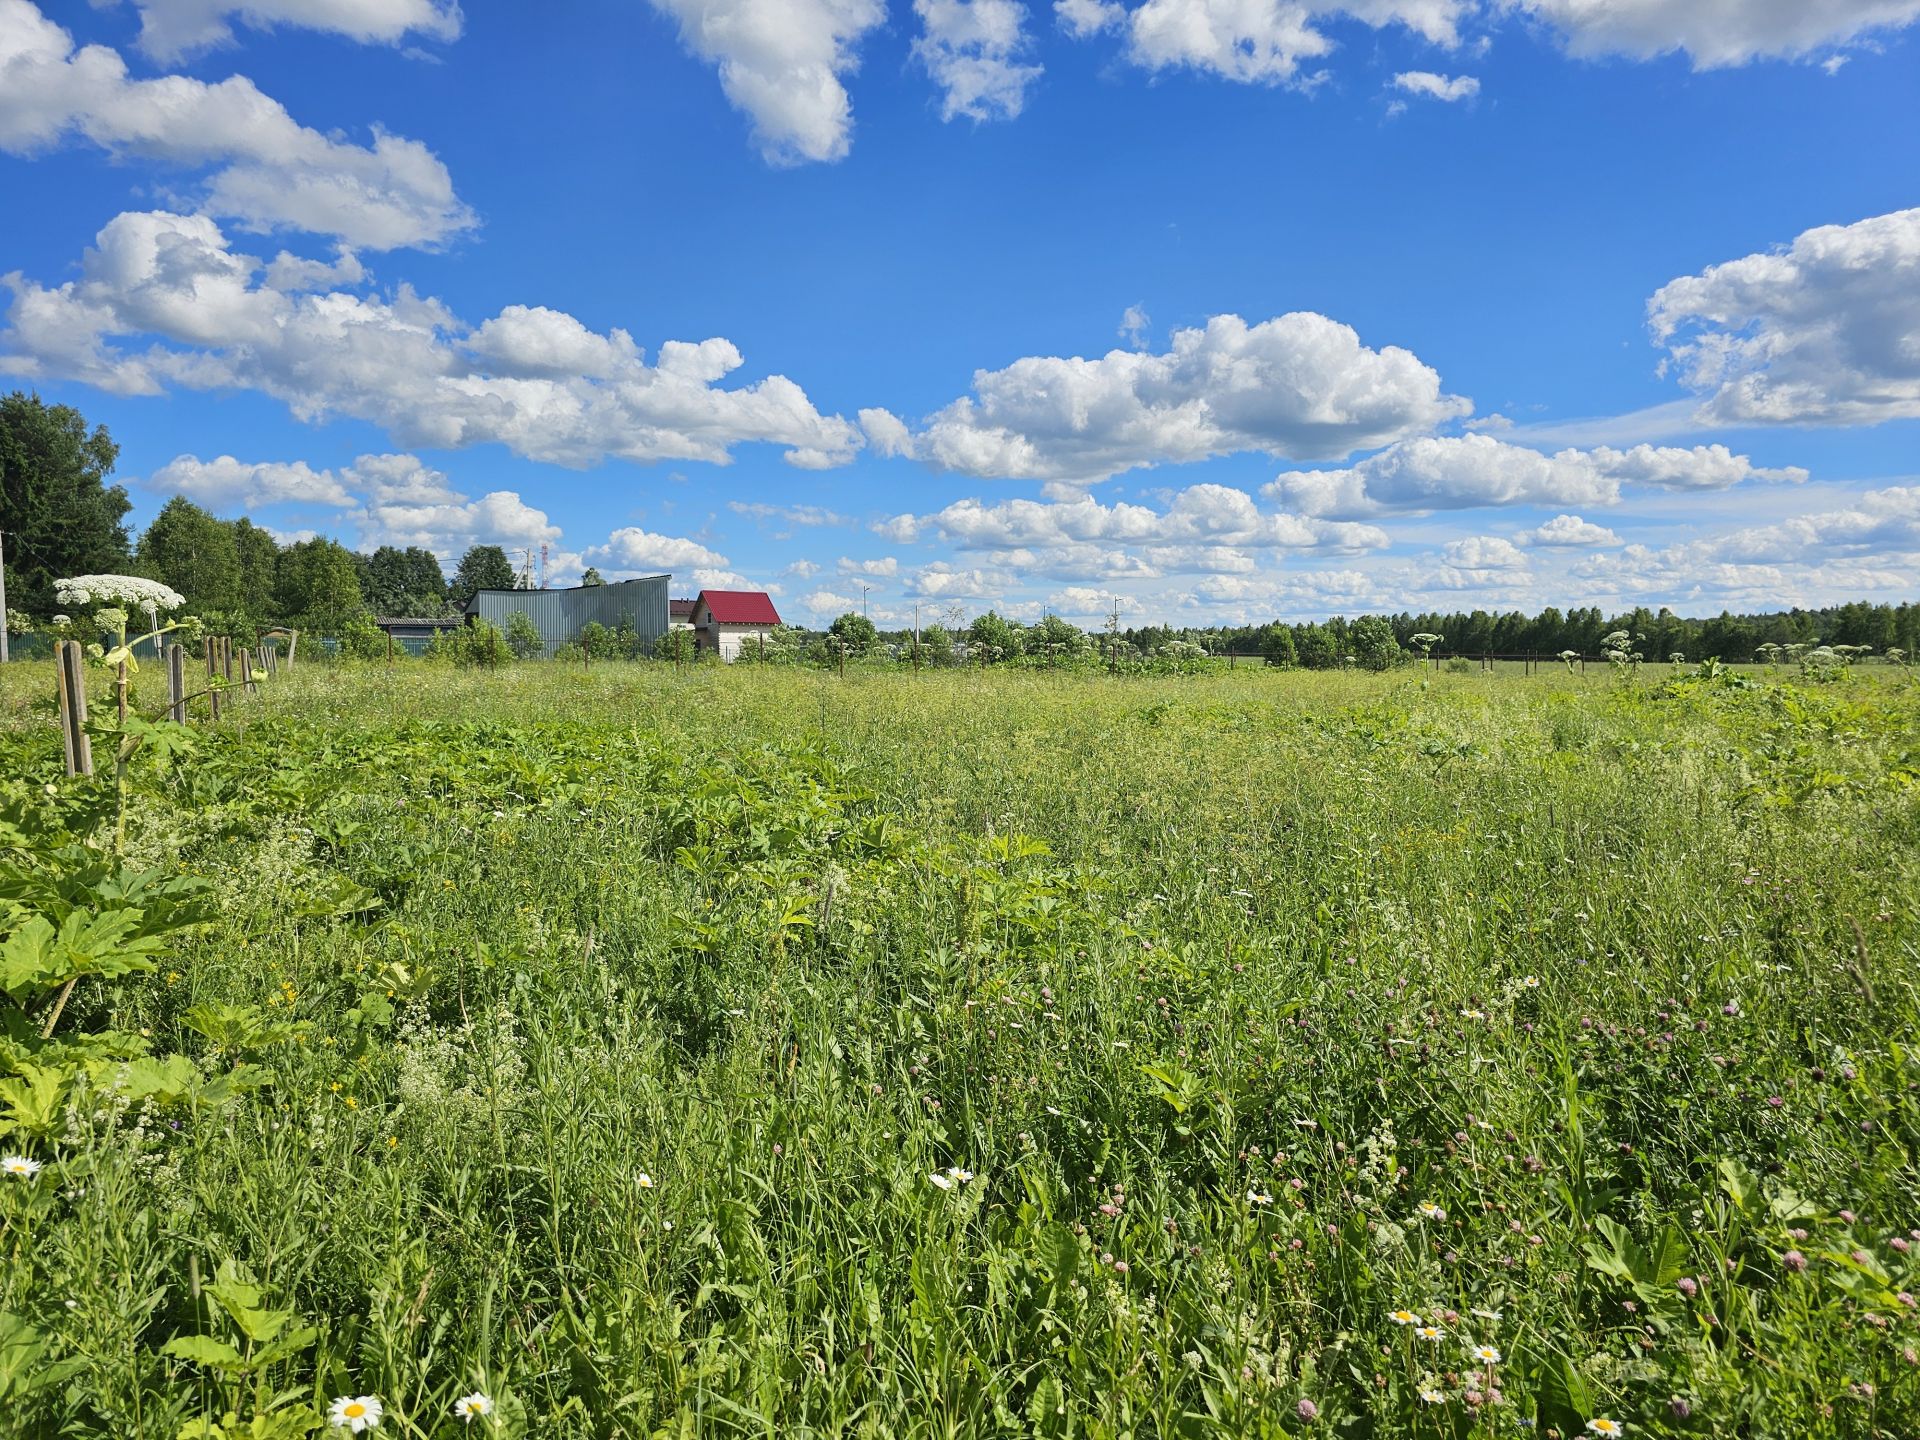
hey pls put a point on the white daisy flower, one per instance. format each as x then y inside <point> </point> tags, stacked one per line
<point>945,1182</point>
<point>1431,1211</point>
<point>1259,1197</point>
<point>1403,1317</point>
<point>1486,1354</point>
<point>1604,1426</point>
<point>1432,1396</point>
<point>1473,1014</point>
<point>20,1167</point>
<point>958,1176</point>
<point>469,1408</point>
<point>356,1413</point>
<point>643,1180</point>
<point>1430,1332</point>
<point>1532,982</point>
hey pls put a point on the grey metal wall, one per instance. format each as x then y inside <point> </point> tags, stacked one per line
<point>560,615</point>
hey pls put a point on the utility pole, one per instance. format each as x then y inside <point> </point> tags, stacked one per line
<point>3,597</point>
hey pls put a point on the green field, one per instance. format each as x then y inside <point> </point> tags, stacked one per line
<point>771,1054</point>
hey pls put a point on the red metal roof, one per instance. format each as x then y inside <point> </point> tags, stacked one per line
<point>740,607</point>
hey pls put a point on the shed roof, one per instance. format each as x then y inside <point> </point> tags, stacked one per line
<point>682,609</point>
<point>741,607</point>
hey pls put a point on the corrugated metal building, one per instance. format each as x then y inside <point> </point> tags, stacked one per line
<point>560,615</point>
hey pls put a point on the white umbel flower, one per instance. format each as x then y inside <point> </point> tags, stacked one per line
<point>117,589</point>
<point>356,1413</point>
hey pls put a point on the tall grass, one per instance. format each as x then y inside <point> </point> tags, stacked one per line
<point>653,1020</point>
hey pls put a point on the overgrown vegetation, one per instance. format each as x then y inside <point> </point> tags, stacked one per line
<point>746,1051</point>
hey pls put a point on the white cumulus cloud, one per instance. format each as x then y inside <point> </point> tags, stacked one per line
<point>1430,86</point>
<point>1825,332</point>
<point>1567,531</point>
<point>1254,41</point>
<point>1300,385</point>
<point>171,28</point>
<point>224,481</point>
<point>1464,472</point>
<point>1484,552</point>
<point>784,63</point>
<point>267,171</point>
<point>162,300</point>
<point>972,49</point>
<point>1714,32</point>
<point>631,548</point>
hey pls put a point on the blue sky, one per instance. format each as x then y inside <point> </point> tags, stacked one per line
<point>1232,309</point>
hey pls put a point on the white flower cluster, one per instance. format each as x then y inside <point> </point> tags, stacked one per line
<point>128,590</point>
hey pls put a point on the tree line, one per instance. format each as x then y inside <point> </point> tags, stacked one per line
<point>63,517</point>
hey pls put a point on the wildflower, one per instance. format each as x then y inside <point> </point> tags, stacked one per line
<point>1486,1354</point>
<point>1432,1396</point>
<point>1688,1288</point>
<point>356,1413</point>
<point>1259,1197</point>
<point>1606,1427</point>
<point>1493,1315</point>
<point>1794,1260</point>
<point>1473,1014</point>
<point>469,1408</point>
<point>643,1180</point>
<point>20,1167</point>
<point>1404,1317</point>
<point>1532,982</point>
<point>1307,1410</point>
<point>941,1180</point>
<point>1431,1211</point>
<point>959,1176</point>
<point>1430,1333</point>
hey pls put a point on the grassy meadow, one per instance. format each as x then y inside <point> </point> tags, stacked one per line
<point>764,1053</point>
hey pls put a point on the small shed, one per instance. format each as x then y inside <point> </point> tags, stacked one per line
<point>680,614</point>
<point>560,615</point>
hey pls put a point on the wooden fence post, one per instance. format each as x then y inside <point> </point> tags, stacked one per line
<point>246,670</point>
<point>293,644</point>
<point>213,673</point>
<point>71,676</point>
<point>177,684</point>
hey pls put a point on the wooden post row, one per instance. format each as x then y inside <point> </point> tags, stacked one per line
<point>71,678</point>
<point>177,684</point>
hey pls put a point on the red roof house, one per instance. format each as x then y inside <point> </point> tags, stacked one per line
<point>723,620</point>
<point>736,607</point>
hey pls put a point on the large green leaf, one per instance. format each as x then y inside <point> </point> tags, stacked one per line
<point>38,957</point>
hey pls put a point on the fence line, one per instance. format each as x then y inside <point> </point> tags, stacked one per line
<point>222,658</point>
